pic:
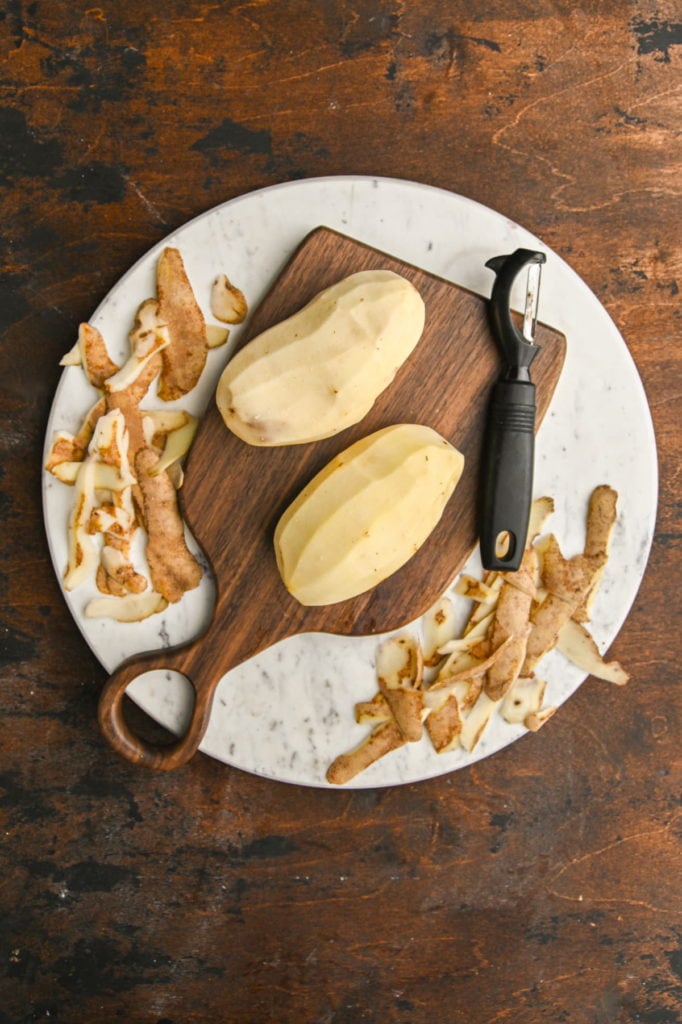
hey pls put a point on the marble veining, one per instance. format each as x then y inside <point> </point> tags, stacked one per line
<point>288,712</point>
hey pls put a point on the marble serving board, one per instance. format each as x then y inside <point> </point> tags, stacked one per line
<point>286,713</point>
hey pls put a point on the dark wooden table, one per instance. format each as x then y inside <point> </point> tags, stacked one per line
<point>541,884</point>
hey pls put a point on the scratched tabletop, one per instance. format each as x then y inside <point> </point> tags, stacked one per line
<point>540,885</point>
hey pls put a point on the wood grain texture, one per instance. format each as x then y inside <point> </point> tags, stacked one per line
<point>539,886</point>
<point>446,383</point>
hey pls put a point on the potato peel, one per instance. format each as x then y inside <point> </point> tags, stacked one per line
<point>148,337</point>
<point>536,719</point>
<point>227,302</point>
<point>444,725</point>
<point>184,357</point>
<point>477,721</point>
<point>128,608</point>
<point>73,357</point>
<point>381,741</point>
<point>372,711</point>
<point>542,601</point>
<point>172,567</point>
<point>399,672</point>
<point>473,668</point>
<point>580,647</point>
<point>438,629</point>
<point>524,698</point>
<point>82,550</point>
<point>106,478</point>
<point>107,452</point>
<point>97,364</point>
<point>601,520</point>
<point>476,590</point>
<point>540,511</point>
<point>118,443</point>
<point>178,443</point>
<point>511,624</point>
<point>72,447</point>
<point>216,335</point>
<point>567,582</point>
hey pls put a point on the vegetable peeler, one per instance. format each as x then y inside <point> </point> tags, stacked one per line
<point>509,444</point>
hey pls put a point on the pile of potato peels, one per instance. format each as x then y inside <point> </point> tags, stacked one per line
<point>450,686</point>
<point>124,461</point>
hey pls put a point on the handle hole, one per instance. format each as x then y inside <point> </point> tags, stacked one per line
<point>145,728</point>
<point>166,697</point>
<point>505,546</point>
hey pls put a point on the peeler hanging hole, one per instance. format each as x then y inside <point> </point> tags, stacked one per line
<point>505,545</point>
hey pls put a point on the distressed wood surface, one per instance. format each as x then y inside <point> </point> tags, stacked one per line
<point>542,885</point>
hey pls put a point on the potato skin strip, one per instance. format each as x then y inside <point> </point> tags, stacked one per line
<point>444,725</point>
<point>124,463</point>
<point>372,711</point>
<point>96,362</point>
<point>517,618</point>
<point>565,578</point>
<point>540,511</point>
<point>546,625</point>
<point>128,402</point>
<point>116,520</point>
<point>147,339</point>
<point>83,552</point>
<point>185,356</point>
<point>178,443</point>
<point>118,568</point>
<point>483,609</point>
<point>72,447</point>
<point>439,629</point>
<point>511,623</point>
<point>537,719</point>
<point>474,589</point>
<point>172,567</point>
<point>73,356</point>
<point>227,302</point>
<point>128,608</point>
<point>216,335</point>
<point>580,647</point>
<point>470,671</point>
<point>381,741</point>
<point>601,519</point>
<point>399,672</point>
<point>477,722</point>
<point>407,707</point>
<point>451,698</point>
<point>524,698</point>
<point>567,581</point>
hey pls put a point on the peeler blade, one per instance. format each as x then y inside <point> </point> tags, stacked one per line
<point>530,313</point>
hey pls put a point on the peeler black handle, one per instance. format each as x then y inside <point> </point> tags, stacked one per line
<point>507,473</point>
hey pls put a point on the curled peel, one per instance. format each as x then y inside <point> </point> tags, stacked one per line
<point>456,708</point>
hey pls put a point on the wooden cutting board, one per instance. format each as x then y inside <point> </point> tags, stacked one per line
<point>234,494</point>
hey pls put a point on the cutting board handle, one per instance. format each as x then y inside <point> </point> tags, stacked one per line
<point>203,662</point>
<point>119,734</point>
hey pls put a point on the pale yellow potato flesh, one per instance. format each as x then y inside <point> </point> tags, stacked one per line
<point>322,369</point>
<point>366,513</point>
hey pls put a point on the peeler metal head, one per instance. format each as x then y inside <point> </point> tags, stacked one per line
<point>516,345</point>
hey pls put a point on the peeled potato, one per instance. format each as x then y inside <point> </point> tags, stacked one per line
<point>366,513</point>
<point>322,369</point>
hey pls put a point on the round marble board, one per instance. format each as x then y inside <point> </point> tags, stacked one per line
<point>287,713</point>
